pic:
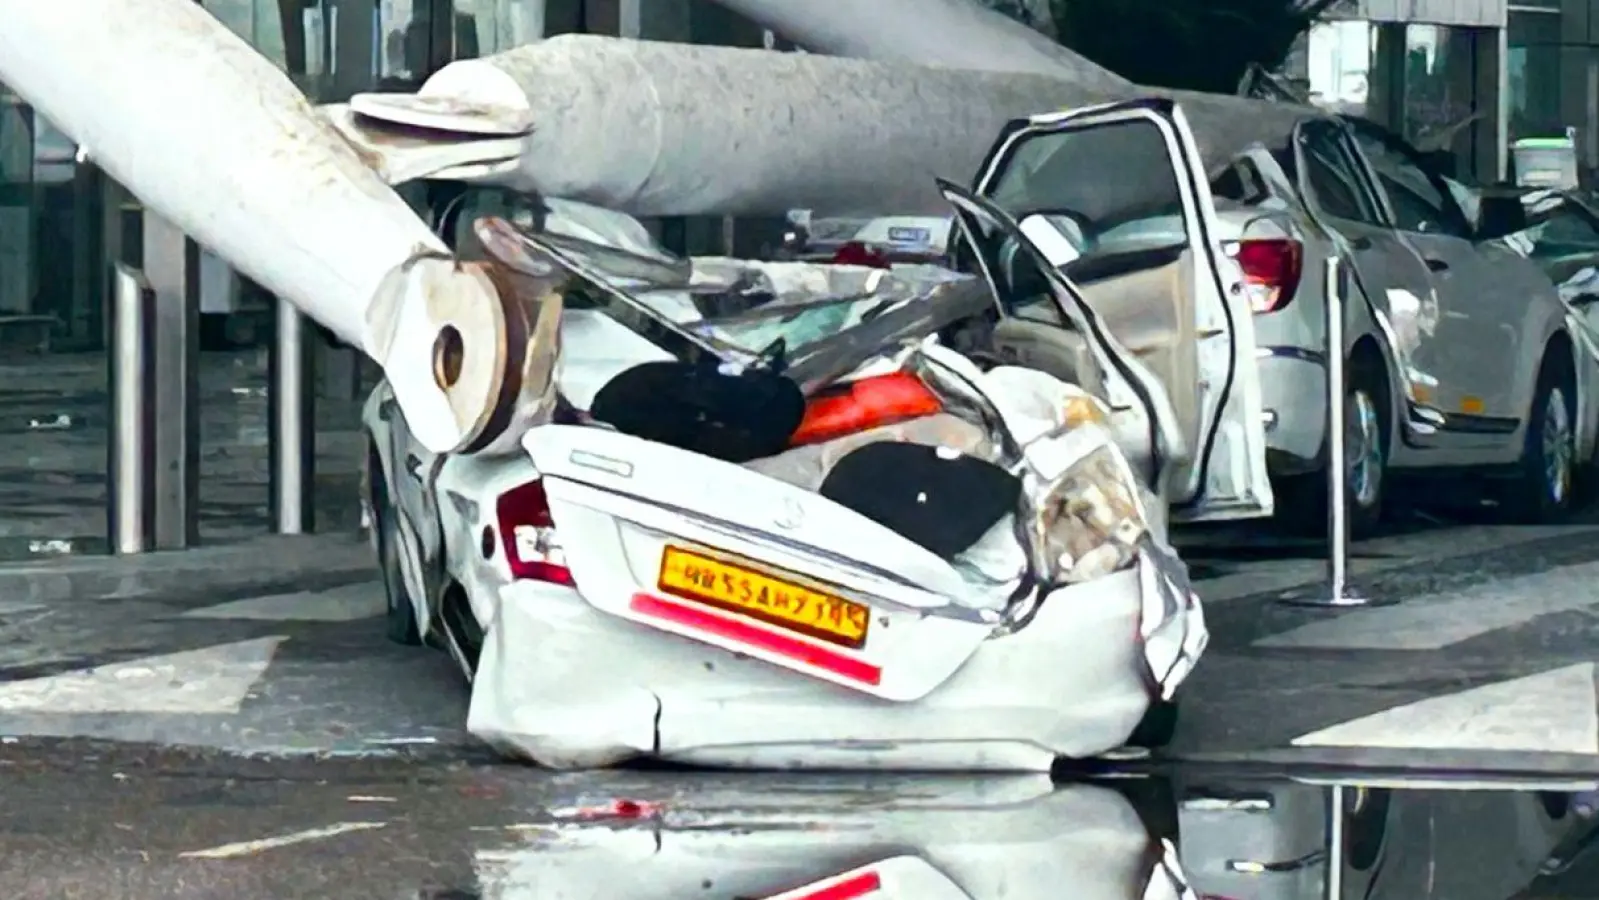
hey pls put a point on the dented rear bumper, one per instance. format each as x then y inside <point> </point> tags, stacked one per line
<point>566,685</point>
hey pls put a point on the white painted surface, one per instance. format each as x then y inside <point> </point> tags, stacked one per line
<point>211,680</point>
<point>349,603</point>
<point>1436,621</point>
<point>251,848</point>
<point>1551,712</point>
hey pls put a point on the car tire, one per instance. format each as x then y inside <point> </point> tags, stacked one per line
<point>1157,728</point>
<point>1302,501</point>
<point>1543,486</point>
<point>400,617</point>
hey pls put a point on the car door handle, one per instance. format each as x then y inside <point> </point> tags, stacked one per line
<point>1361,243</point>
<point>1437,265</point>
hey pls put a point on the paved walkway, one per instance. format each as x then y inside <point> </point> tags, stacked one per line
<point>53,451</point>
<point>1488,661</point>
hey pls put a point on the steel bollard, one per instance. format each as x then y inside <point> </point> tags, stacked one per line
<point>292,437</point>
<point>131,454</point>
<point>1336,592</point>
<point>1334,885</point>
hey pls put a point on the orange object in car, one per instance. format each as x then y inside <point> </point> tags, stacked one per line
<point>868,403</point>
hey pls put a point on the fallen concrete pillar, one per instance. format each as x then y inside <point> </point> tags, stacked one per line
<point>959,34</point>
<point>661,129</point>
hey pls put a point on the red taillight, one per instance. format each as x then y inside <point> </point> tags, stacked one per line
<point>527,531</point>
<point>868,403</point>
<point>856,253</point>
<point>1271,271</point>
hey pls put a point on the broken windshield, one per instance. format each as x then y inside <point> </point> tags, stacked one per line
<point>812,322</point>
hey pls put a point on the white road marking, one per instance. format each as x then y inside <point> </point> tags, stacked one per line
<point>1270,576</point>
<point>349,603</point>
<point>251,848</point>
<point>211,680</point>
<point>1436,621</point>
<point>7,607</point>
<point>1551,712</point>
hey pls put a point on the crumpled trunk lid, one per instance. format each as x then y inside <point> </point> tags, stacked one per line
<point>717,553</point>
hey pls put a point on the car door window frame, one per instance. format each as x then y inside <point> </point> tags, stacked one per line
<point>1451,219</point>
<point>1339,158</point>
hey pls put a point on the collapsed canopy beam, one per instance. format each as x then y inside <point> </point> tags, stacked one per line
<point>660,129</point>
<point>959,34</point>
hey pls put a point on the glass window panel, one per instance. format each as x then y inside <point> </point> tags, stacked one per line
<point>1438,80</point>
<point>1532,64</point>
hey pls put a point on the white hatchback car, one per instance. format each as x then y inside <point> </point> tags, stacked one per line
<point>1460,355</point>
<point>839,544</point>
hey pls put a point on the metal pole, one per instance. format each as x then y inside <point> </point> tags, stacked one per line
<point>292,440</point>
<point>1336,592</point>
<point>1335,844</point>
<point>131,512</point>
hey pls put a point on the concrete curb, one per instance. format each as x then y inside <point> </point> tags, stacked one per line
<point>269,562</point>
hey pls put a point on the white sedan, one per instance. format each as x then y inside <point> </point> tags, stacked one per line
<point>810,535</point>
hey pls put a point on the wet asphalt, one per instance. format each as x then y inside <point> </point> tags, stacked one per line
<point>108,821</point>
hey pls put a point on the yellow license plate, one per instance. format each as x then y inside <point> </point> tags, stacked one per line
<point>715,582</point>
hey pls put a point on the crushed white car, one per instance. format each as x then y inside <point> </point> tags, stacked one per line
<point>808,531</point>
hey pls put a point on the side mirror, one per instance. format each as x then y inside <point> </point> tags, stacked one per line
<point>1439,162</point>
<point>1499,215</point>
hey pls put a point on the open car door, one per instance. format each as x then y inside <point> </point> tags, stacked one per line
<point>1116,198</point>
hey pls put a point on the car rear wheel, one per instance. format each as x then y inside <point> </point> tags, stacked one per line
<point>1544,483</point>
<point>400,617</point>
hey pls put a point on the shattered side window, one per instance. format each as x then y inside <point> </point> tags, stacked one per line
<point>1565,232</point>
<point>1240,184</point>
<point>1115,182</point>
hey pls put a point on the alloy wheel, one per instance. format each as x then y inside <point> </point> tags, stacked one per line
<point>1363,449</point>
<point>1558,444</point>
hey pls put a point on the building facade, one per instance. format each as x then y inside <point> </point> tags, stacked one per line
<point>60,223</point>
<point>1432,70</point>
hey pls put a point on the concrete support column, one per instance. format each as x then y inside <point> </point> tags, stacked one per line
<point>171,263</point>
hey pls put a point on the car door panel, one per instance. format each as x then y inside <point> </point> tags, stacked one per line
<point>1477,347</point>
<point>1386,272</point>
<point>1129,175</point>
<point>1087,353</point>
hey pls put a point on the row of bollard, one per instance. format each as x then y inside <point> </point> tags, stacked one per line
<point>154,446</point>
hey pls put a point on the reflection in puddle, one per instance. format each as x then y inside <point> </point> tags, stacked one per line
<point>1211,838</point>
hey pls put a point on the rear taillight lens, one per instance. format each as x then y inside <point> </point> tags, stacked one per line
<point>868,403</point>
<point>1271,270</point>
<point>856,253</point>
<point>527,531</point>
